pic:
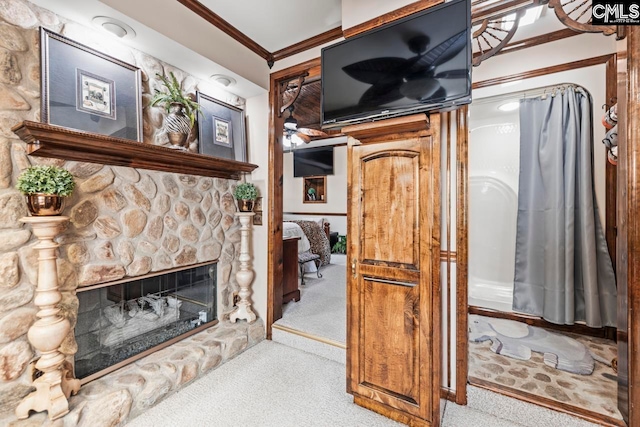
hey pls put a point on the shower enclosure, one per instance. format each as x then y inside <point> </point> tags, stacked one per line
<point>493,206</point>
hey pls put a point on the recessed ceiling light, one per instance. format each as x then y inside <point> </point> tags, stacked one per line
<point>509,106</point>
<point>223,80</point>
<point>114,26</point>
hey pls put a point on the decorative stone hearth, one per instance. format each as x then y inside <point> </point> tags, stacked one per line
<point>129,391</point>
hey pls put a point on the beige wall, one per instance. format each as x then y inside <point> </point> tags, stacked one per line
<point>257,110</point>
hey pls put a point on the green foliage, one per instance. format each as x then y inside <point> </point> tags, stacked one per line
<point>311,190</point>
<point>190,107</point>
<point>46,180</point>
<point>246,191</point>
<point>341,245</point>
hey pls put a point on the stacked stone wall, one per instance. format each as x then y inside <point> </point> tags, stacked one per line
<point>123,221</point>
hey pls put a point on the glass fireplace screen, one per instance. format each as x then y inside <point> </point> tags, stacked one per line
<point>120,321</point>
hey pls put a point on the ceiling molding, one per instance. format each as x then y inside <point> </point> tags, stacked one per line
<point>391,16</point>
<point>208,15</point>
<point>499,9</point>
<point>544,71</point>
<point>535,41</point>
<point>318,40</point>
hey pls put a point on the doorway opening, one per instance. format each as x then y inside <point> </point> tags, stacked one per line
<point>569,367</point>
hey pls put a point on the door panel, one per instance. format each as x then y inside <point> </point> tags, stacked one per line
<point>389,179</point>
<point>393,290</point>
<point>391,330</point>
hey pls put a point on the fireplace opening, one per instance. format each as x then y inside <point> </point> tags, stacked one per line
<point>124,321</point>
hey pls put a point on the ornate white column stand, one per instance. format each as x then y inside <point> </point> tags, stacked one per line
<point>56,382</point>
<point>245,275</point>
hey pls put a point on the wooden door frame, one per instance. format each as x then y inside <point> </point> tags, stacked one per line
<point>311,69</point>
<point>628,219</point>
<point>462,368</point>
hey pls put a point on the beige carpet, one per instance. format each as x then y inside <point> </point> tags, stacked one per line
<point>271,385</point>
<point>322,309</point>
<point>596,392</point>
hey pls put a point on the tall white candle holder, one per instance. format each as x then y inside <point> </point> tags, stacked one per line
<point>245,275</point>
<point>52,375</point>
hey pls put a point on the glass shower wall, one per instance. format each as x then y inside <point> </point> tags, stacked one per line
<point>494,152</point>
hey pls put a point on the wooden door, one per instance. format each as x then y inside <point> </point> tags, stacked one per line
<point>393,292</point>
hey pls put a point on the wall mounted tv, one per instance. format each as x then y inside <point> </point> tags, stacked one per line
<point>419,63</point>
<point>313,161</point>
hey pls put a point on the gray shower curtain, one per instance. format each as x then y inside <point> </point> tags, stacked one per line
<point>563,270</point>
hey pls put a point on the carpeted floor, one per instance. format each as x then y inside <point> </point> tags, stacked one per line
<point>274,385</point>
<point>596,392</point>
<point>322,309</point>
<point>268,385</point>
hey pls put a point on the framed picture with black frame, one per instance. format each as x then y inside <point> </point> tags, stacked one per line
<point>87,90</point>
<point>221,129</point>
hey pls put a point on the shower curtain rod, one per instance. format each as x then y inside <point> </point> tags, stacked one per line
<point>529,93</point>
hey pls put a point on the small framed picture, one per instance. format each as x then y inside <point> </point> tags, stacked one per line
<point>222,132</point>
<point>257,218</point>
<point>95,94</point>
<point>221,129</point>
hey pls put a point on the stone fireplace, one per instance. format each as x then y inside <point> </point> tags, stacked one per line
<point>122,322</point>
<point>126,225</point>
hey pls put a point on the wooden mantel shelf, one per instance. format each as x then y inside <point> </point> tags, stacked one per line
<point>63,143</point>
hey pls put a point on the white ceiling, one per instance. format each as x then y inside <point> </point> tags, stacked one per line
<point>275,24</point>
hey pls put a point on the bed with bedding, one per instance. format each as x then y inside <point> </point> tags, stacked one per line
<point>313,237</point>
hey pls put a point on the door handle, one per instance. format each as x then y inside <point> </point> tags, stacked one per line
<point>354,273</point>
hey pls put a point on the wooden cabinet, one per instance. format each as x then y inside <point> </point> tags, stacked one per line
<point>290,289</point>
<point>315,189</point>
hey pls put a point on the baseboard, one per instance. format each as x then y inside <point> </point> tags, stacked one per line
<point>545,402</point>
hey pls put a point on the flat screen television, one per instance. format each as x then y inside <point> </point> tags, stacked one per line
<point>313,161</point>
<point>419,63</point>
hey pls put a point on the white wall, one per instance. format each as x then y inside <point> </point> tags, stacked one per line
<point>257,111</point>
<point>336,193</point>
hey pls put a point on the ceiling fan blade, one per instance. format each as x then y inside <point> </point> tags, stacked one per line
<point>312,132</point>
<point>453,74</point>
<point>444,51</point>
<point>381,94</point>
<point>420,89</point>
<point>374,70</point>
<point>306,139</point>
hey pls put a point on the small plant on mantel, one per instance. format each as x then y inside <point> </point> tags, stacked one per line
<point>181,108</point>
<point>246,193</point>
<point>45,188</point>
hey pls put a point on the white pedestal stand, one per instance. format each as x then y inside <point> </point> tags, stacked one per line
<point>56,382</point>
<point>245,276</point>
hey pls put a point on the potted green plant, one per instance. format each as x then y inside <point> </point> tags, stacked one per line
<point>45,188</point>
<point>246,193</point>
<point>340,246</point>
<point>181,108</point>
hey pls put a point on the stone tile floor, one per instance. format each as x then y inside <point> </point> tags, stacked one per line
<point>596,392</point>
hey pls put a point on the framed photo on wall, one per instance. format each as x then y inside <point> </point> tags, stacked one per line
<point>222,132</point>
<point>87,90</point>
<point>221,129</point>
